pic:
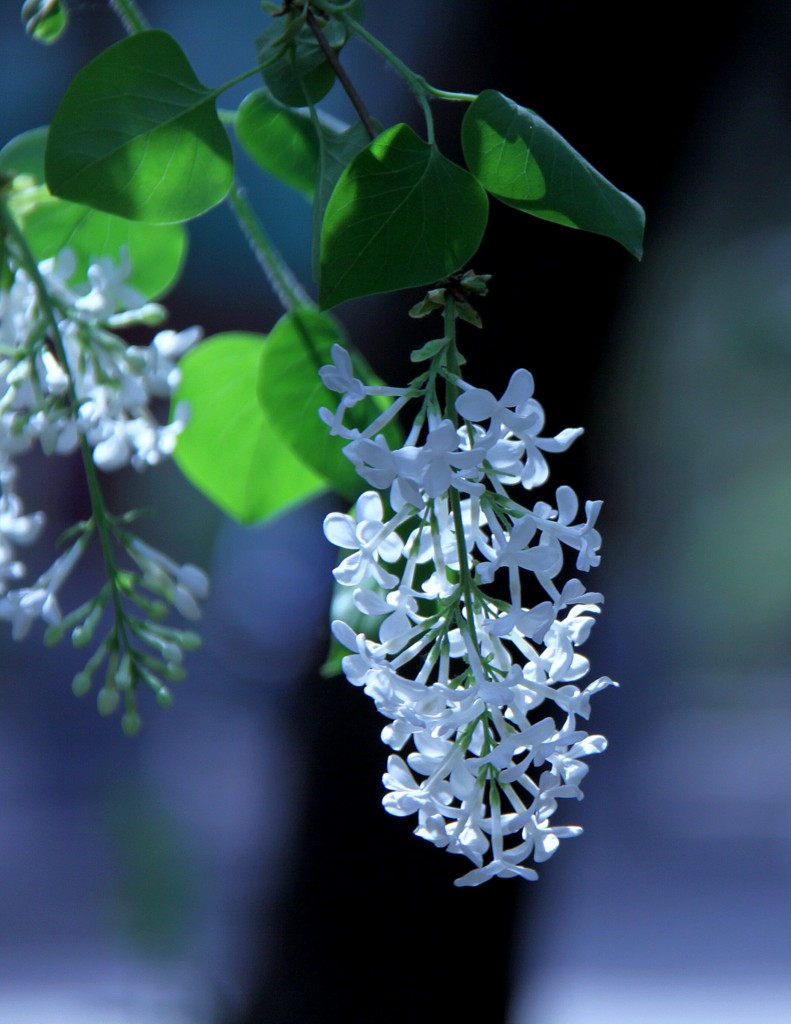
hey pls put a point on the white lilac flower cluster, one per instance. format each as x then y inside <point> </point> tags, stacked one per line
<point>480,685</point>
<point>68,382</point>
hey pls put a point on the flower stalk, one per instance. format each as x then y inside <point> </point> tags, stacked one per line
<point>481,693</point>
<point>68,383</point>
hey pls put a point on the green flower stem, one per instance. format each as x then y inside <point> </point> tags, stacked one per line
<point>131,16</point>
<point>451,395</point>
<point>104,532</point>
<point>284,284</point>
<point>444,94</point>
<point>100,517</point>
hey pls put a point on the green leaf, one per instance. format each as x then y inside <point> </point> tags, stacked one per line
<point>525,163</point>
<point>24,154</point>
<point>156,251</point>
<point>301,74</point>
<point>138,135</point>
<point>44,20</point>
<point>336,152</point>
<point>230,450</point>
<point>292,393</point>
<point>401,215</point>
<point>280,139</point>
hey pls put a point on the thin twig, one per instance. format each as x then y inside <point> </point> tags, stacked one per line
<point>280,276</point>
<point>341,75</point>
<point>132,18</point>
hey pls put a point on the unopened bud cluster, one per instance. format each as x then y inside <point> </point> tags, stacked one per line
<point>482,691</point>
<point>69,383</point>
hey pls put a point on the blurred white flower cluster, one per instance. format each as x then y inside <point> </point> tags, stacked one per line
<point>69,383</point>
<point>475,659</point>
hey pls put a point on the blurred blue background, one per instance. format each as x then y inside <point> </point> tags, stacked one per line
<point>233,863</point>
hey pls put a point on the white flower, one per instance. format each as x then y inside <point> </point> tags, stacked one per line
<point>23,606</point>
<point>113,383</point>
<point>520,416</point>
<point>162,375</point>
<point>462,674</point>
<point>108,289</point>
<point>183,585</point>
<point>73,383</point>
<point>339,377</point>
<point>15,526</point>
<point>369,540</point>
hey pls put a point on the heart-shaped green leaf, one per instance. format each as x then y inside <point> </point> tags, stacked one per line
<point>230,450</point>
<point>280,139</point>
<point>136,134</point>
<point>525,163</point>
<point>292,393</point>
<point>401,215</point>
<point>336,152</point>
<point>156,251</point>
<point>300,73</point>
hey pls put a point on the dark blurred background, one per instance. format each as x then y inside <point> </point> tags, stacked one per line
<point>233,863</point>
